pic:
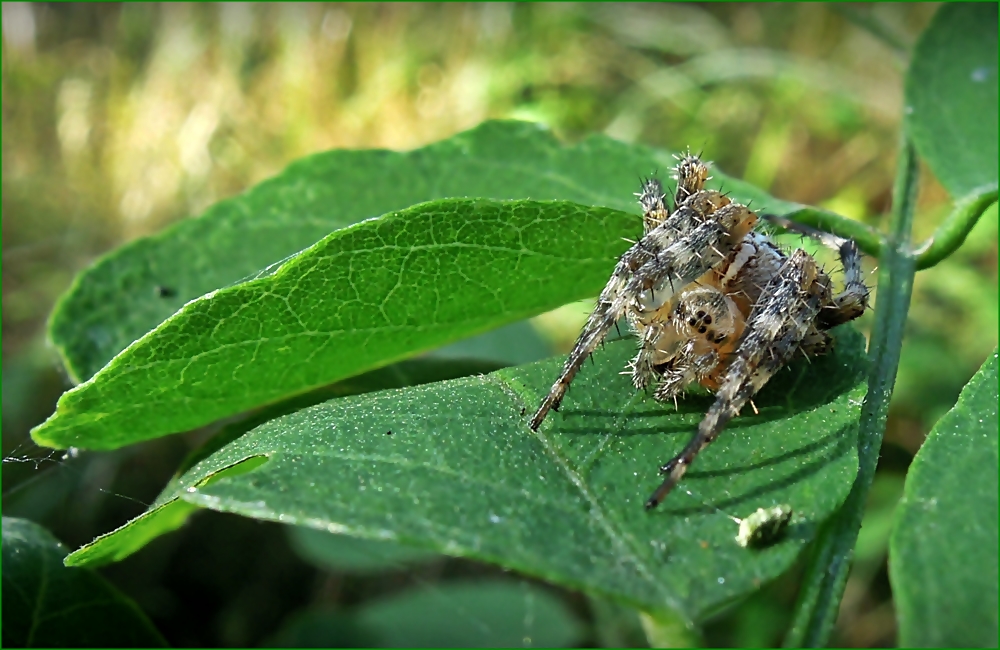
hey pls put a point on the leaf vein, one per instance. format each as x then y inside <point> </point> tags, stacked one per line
<point>622,543</point>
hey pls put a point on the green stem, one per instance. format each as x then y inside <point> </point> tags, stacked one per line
<point>875,27</point>
<point>867,239</point>
<point>826,576</point>
<point>956,227</point>
<point>667,629</point>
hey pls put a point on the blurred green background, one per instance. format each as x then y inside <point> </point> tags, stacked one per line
<point>120,119</point>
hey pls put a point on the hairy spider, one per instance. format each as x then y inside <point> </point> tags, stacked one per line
<point>713,301</point>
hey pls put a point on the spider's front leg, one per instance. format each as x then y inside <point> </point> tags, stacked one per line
<point>777,325</point>
<point>610,307</point>
<point>690,174</point>
<point>653,270</point>
<point>674,252</point>
<point>642,367</point>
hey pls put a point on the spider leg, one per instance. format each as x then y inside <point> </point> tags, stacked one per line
<point>815,343</point>
<point>776,327</point>
<point>853,300</point>
<point>654,210</point>
<point>690,174</point>
<point>677,262</point>
<point>642,366</point>
<point>690,366</point>
<point>610,307</point>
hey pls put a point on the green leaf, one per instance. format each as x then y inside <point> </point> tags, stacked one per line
<point>461,474</point>
<point>353,554</point>
<point>132,290</point>
<point>484,614</point>
<point>363,297</point>
<point>48,605</point>
<point>322,627</point>
<point>510,345</point>
<point>359,299</point>
<point>616,625</point>
<point>168,512</point>
<point>951,96</point>
<point>494,614</point>
<point>943,550</point>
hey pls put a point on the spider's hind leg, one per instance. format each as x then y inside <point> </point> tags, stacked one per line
<point>853,300</point>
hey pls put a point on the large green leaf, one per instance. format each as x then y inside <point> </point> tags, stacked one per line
<point>491,614</point>
<point>353,554</point>
<point>365,296</point>
<point>951,96</point>
<point>168,512</point>
<point>453,467</point>
<point>132,290</point>
<point>943,550</point>
<point>484,614</point>
<point>48,605</point>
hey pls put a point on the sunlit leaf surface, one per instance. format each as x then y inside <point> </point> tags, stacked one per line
<point>361,298</point>
<point>168,512</point>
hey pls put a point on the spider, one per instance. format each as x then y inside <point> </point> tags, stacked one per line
<point>713,301</point>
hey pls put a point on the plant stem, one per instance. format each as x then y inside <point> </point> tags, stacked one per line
<point>956,227</point>
<point>867,239</point>
<point>875,27</point>
<point>826,575</point>
<point>666,629</point>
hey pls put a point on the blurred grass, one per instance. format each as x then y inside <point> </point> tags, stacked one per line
<point>119,119</point>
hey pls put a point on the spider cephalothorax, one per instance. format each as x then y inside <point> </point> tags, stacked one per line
<point>713,301</point>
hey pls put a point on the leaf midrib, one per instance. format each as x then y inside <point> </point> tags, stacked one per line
<point>620,539</point>
<point>43,588</point>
